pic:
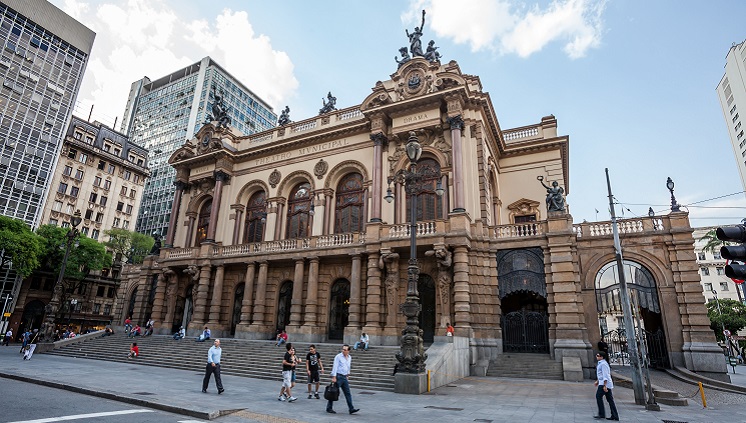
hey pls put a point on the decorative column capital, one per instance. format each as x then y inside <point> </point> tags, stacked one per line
<point>379,139</point>
<point>180,185</point>
<point>456,122</point>
<point>221,176</point>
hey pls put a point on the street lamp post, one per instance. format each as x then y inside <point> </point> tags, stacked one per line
<point>8,297</point>
<point>52,308</point>
<point>675,207</point>
<point>412,355</point>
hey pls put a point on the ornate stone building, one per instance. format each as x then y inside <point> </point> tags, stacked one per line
<point>288,229</point>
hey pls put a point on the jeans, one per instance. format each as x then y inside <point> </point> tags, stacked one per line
<point>359,343</point>
<point>280,341</point>
<point>344,386</point>
<point>600,394</point>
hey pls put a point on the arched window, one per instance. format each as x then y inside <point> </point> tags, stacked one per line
<point>299,206</point>
<point>429,204</point>
<point>203,222</point>
<point>348,211</point>
<point>256,210</point>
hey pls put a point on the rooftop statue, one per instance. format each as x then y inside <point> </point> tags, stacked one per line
<point>555,196</point>
<point>431,54</point>
<point>219,111</point>
<point>284,117</point>
<point>329,104</point>
<point>415,45</point>
<point>404,57</point>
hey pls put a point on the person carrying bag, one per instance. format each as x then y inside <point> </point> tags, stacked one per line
<point>331,392</point>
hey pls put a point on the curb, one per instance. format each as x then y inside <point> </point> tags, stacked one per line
<point>121,398</point>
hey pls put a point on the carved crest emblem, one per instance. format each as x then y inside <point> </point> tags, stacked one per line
<point>320,169</point>
<point>274,178</point>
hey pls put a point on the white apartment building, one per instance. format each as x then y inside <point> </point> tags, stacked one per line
<point>732,95</point>
<point>712,271</point>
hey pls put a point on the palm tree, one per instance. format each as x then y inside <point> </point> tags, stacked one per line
<point>713,244</point>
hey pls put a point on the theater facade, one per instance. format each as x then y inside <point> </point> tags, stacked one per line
<point>289,229</point>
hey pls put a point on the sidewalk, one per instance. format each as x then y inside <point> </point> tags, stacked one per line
<point>467,400</point>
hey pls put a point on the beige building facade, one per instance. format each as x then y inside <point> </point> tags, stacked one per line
<point>101,173</point>
<point>289,229</point>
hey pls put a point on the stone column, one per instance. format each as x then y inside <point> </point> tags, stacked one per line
<point>168,321</point>
<point>160,296</point>
<point>378,140</point>
<point>296,305</point>
<point>373,297</point>
<point>220,178</point>
<point>319,215</point>
<point>461,295</point>
<point>312,300</point>
<point>200,303</point>
<point>248,296</point>
<point>259,321</point>
<point>237,223</point>
<point>173,220</point>
<point>355,300</point>
<point>189,240</point>
<point>278,220</point>
<point>328,222</point>
<point>457,124</point>
<point>216,303</point>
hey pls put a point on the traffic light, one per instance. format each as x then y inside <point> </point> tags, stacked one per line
<point>735,233</point>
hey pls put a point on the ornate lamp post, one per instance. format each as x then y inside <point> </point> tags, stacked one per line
<point>52,308</point>
<point>412,355</point>
<point>675,207</point>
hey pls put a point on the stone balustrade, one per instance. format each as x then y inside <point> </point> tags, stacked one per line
<point>423,229</point>
<point>522,133</point>
<point>175,253</point>
<point>519,230</point>
<point>626,226</point>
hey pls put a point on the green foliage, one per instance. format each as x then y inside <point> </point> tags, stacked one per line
<point>19,246</point>
<point>732,315</point>
<point>131,246</point>
<point>85,255</point>
<point>712,243</point>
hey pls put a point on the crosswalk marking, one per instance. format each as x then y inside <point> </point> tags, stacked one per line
<point>83,416</point>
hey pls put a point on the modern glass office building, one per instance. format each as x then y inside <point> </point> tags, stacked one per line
<point>163,114</point>
<point>44,55</point>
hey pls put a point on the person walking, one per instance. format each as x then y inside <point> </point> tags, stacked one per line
<point>213,367</point>
<point>340,374</point>
<point>8,337</point>
<point>604,386</point>
<point>288,365</point>
<point>313,367</point>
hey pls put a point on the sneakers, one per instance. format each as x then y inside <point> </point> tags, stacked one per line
<point>310,395</point>
<point>316,395</point>
<point>291,399</point>
<point>281,398</point>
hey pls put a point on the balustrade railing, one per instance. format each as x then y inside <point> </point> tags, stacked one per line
<point>423,229</point>
<point>181,252</point>
<point>519,230</point>
<point>349,114</point>
<point>304,126</point>
<point>521,133</point>
<point>625,226</point>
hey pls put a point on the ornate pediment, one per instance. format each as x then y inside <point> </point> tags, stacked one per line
<point>524,207</point>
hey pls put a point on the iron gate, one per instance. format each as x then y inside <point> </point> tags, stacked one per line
<point>655,343</point>
<point>525,331</point>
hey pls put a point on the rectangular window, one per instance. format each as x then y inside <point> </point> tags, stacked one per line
<point>96,308</point>
<point>93,197</point>
<point>57,206</point>
<point>62,188</point>
<point>733,109</point>
<point>110,292</point>
<point>701,256</point>
<point>708,287</point>
<point>128,209</point>
<point>107,184</point>
<point>111,169</point>
<point>101,165</point>
<point>120,206</point>
<point>723,286</point>
<point>72,153</point>
<point>94,234</point>
<point>735,118</point>
<point>107,147</point>
<point>136,179</point>
<point>74,191</point>
<point>103,200</point>
<point>720,270</point>
<point>717,256</point>
<point>126,224</point>
<point>133,193</point>
<point>88,214</point>
<point>127,175</point>
<point>107,309</point>
<point>69,210</point>
<point>97,181</point>
<point>705,271</point>
<point>89,139</point>
<point>123,191</point>
<point>67,171</point>
<point>100,291</point>
<point>85,230</point>
<point>116,222</point>
<point>53,222</point>
<point>79,174</point>
<point>99,217</point>
<point>83,158</point>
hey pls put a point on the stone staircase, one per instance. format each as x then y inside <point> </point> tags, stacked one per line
<point>371,369</point>
<point>526,366</point>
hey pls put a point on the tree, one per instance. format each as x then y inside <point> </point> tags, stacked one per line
<point>19,246</point>
<point>131,246</point>
<point>712,243</point>
<point>732,315</point>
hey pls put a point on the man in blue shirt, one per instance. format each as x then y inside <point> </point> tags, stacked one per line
<point>340,374</point>
<point>213,366</point>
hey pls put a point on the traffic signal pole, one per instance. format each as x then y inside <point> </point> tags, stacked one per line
<point>634,359</point>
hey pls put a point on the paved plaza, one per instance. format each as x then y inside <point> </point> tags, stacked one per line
<point>473,399</point>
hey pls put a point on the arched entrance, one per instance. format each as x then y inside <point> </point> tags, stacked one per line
<point>33,316</point>
<point>131,304</point>
<point>283,304</point>
<point>426,287</point>
<point>647,317</point>
<point>237,300</point>
<point>184,309</point>
<point>339,308</point>
<point>523,292</point>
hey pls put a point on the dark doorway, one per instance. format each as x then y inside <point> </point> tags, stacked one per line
<point>426,286</point>
<point>237,300</point>
<point>184,309</point>
<point>525,323</point>
<point>339,309</point>
<point>33,315</point>
<point>283,304</point>
<point>131,304</point>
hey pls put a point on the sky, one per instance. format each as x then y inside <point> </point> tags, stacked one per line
<point>631,82</point>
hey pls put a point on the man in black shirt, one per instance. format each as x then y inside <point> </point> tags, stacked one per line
<point>288,365</point>
<point>313,366</point>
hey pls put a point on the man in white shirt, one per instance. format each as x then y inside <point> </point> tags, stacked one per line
<point>8,337</point>
<point>213,366</point>
<point>340,374</point>
<point>605,386</point>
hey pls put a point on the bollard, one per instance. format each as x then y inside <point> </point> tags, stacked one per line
<point>428,380</point>
<point>702,392</point>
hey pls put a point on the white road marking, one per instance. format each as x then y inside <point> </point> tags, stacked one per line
<point>191,421</point>
<point>83,416</point>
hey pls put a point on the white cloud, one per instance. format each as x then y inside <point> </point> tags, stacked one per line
<point>136,38</point>
<point>502,26</point>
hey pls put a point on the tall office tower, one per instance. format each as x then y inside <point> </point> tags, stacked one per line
<point>163,114</point>
<point>732,95</point>
<point>44,54</point>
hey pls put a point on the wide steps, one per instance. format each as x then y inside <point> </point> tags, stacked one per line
<point>372,369</point>
<point>526,366</point>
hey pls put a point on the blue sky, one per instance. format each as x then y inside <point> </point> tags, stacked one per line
<point>631,82</point>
